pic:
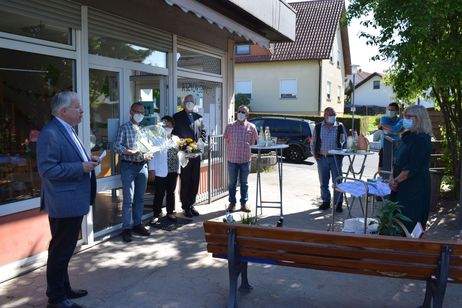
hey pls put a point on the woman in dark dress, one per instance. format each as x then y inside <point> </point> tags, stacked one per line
<point>410,184</point>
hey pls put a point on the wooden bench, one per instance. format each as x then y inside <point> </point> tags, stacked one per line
<point>436,262</point>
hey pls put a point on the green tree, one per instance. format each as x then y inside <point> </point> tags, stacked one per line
<point>423,41</point>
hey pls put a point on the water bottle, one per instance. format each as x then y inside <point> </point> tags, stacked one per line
<point>280,222</point>
<point>267,136</point>
<point>261,137</point>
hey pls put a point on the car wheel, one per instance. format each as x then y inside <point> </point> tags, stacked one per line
<point>294,154</point>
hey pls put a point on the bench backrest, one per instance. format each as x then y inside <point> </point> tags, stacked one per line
<point>333,251</point>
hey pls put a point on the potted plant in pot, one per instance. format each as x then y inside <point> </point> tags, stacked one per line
<point>390,220</point>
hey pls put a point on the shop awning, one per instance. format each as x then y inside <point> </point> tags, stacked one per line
<point>221,21</point>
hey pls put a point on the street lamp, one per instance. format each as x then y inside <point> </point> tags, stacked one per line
<point>354,70</point>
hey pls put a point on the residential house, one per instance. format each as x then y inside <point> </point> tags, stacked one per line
<point>300,77</point>
<point>112,53</point>
<point>372,95</point>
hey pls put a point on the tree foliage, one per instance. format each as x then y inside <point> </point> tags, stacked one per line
<point>423,41</point>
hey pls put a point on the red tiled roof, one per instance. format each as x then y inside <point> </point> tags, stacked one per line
<point>316,25</point>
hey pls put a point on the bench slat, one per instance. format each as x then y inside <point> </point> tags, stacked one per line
<point>353,240</point>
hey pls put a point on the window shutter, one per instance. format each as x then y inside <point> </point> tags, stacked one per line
<point>108,25</point>
<point>54,12</point>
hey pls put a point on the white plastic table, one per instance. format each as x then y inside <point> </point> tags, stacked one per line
<point>259,203</point>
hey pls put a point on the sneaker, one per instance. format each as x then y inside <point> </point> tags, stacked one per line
<point>172,217</point>
<point>154,220</point>
<point>141,230</point>
<point>231,207</point>
<point>194,211</point>
<point>339,208</point>
<point>324,206</point>
<point>244,208</point>
<point>126,235</point>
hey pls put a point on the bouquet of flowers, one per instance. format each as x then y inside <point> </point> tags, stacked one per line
<point>188,148</point>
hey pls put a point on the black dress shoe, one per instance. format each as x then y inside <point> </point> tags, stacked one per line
<point>194,211</point>
<point>64,304</point>
<point>127,236</point>
<point>141,230</point>
<point>324,206</point>
<point>76,293</point>
<point>187,213</point>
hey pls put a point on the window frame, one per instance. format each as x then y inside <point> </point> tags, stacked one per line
<point>329,90</point>
<point>374,85</point>
<point>245,93</point>
<point>245,53</point>
<point>286,95</point>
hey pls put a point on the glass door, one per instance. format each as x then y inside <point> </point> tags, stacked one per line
<point>104,123</point>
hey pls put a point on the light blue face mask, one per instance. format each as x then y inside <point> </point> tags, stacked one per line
<point>391,114</point>
<point>331,119</point>
<point>408,123</point>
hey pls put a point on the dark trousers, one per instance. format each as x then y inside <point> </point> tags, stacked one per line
<point>189,181</point>
<point>165,185</point>
<point>64,236</point>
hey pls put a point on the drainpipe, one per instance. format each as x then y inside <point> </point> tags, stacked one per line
<point>319,88</point>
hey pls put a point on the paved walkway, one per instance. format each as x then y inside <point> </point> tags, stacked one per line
<point>173,269</point>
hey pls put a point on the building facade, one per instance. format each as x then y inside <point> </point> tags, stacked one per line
<point>112,54</point>
<point>304,76</point>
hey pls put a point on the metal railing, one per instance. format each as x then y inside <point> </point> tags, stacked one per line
<point>214,179</point>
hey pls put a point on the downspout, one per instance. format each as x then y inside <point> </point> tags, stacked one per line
<point>319,86</point>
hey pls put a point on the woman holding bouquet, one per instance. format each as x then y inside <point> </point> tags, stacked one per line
<point>411,184</point>
<point>164,167</point>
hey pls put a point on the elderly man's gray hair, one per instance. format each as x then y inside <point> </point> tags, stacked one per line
<point>62,100</point>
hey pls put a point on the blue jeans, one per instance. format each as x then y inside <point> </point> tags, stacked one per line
<point>134,180</point>
<point>242,170</point>
<point>326,168</point>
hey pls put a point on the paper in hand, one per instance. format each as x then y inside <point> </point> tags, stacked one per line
<point>103,155</point>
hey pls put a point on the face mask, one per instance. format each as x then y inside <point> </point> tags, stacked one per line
<point>138,117</point>
<point>331,119</point>
<point>408,123</point>
<point>391,114</point>
<point>189,106</point>
<point>168,130</point>
<point>241,116</point>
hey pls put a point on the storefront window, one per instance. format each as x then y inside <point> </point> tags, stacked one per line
<point>35,28</point>
<point>195,61</point>
<point>104,117</point>
<point>27,83</point>
<point>114,48</point>
<point>208,98</point>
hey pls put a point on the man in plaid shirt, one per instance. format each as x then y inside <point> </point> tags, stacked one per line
<point>133,173</point>
<point>239,136</point>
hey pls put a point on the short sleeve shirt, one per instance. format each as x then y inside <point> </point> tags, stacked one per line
<point>239,138</point>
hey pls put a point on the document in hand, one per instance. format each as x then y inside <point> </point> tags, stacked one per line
<point>418,231</point>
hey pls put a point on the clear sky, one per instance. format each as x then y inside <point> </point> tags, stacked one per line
<point>361,53</point>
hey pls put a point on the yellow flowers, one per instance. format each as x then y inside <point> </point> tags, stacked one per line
<point>188,145</point>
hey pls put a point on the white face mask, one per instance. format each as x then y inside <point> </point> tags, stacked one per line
<point>331,119</point>
<point>189,106</point>
<point>168,130</point>
<point>138,117</point>
<point>241,116</point>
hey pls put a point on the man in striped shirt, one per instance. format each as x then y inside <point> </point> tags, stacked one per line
<point>239,136</point>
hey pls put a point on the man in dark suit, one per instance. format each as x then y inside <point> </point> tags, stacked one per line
<point>68,188</point>
<point>188,124</point>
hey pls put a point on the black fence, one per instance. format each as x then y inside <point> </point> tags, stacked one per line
<point>214,178</point>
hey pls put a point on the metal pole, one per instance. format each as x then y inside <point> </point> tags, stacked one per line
<point>353,108</point>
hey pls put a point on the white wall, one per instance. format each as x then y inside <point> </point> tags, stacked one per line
<point>365,95</point>
<point>266,76</point>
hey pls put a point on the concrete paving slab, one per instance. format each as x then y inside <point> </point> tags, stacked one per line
<point>172,268</point>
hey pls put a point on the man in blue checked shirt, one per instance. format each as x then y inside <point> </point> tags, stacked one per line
<point>326,137</point>
<point>133,172</point>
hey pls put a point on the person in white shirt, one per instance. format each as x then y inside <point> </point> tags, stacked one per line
<point>164,168</point>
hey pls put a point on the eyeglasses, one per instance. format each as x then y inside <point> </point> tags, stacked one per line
<point>407,116</point>
<point>243,112</point>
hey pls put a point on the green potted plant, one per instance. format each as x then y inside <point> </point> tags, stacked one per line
<point>390,220</point>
